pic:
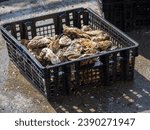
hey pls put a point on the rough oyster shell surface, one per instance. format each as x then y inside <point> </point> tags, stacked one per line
<point>94,33</point>
<point>48,55</point>
<point>38,42</point>
<point>24,42</point>
<point>54,45</point>
<point>104,45</point>
<point>65,41</point>
<point>89,46</point>
<point>60,54</point>
<point>73,51</point>
<point>73,33</point>
<point>101,37</point>
<point>86,28</point>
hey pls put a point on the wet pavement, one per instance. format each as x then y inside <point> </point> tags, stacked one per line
<point>18,95</point>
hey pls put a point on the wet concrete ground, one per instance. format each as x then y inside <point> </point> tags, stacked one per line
<point>18,95</point>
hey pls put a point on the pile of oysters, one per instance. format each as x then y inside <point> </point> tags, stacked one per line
<point>72,44</point>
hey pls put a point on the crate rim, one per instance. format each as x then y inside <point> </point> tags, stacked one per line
<point>2,27</point>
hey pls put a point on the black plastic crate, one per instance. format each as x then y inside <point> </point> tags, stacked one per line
<point>127,15</point>
<point>62,79</point>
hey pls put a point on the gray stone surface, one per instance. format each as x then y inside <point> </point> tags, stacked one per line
<point>13,10</point>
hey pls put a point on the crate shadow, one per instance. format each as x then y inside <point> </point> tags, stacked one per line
<point>123,97</point>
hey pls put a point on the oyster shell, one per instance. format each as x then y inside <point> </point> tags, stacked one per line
<point>24,42</point>
<point>48,55</point>
<point>89,46</point>
<point>86,43</point>
<point>85,55</point>
<point>94,33</point>
<point>35,52</point>
<point>73,33</point>
<point>73,51</point>
<point>60,54</point>
<point>38,42</point>
<point>101,37</point>
<point>113,48</point>
<point>54,45</point>
<point>65,41</point>
<point>86,28</point>
<point>104,45</point>
<point>73,57</point>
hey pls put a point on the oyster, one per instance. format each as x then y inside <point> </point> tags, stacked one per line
<point>86,43</point>
<point>104,45</point>
<point>60,54</point>
<point>113,48</point>
<point>86,28</point>
<point>73,57</point>
<point>101,37</point>
<point>48,55</point>
<point>73,33</point>
<point>65,41</point>
<point>38,42</point>
<point>35,52</point>
<point>54,45</point>
<point>73,51</point>
<point>89,46</point>
<point>94,33</point>
<point>85,55</point>
<point>24,42</point>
